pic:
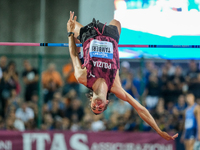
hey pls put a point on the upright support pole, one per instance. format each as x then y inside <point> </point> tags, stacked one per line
<point>40,93</point>
<point>42,23</point>
<point>40,59</point>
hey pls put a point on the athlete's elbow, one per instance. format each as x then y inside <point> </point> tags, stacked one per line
<point>79,80</point>
<point>78,76</point>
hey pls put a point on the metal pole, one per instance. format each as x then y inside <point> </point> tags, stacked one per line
<point>40,64</point>
<point>42,24</point>
<point>40,93</point>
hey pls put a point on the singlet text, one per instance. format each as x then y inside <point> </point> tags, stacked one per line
<point>102,64</point>
<point>101,49</point>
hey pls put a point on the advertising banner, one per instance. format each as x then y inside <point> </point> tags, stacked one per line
<point>57,140</point>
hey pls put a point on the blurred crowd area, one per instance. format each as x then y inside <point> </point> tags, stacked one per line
<point>159,87</point>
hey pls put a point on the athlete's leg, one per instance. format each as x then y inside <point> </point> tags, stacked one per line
<point>117,24</point>
<point>186,144</point>
<point>189,144</point>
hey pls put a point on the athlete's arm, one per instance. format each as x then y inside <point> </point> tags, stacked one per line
<point>197,114</point>
<point>141,110</point>
<point>79,72</point>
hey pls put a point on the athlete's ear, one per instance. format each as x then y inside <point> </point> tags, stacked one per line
<point>91,98</point>
<point>107,102</point>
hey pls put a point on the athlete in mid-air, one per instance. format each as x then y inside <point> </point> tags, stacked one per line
<point>100,71</point>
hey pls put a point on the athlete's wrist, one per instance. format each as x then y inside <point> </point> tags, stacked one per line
<point>70,33</point>
<point>159,131</point>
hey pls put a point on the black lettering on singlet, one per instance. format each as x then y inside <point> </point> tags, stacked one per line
<point>103,49</point>
<point>100,49</point>
<point>94,48</point>
<point>108,50</point>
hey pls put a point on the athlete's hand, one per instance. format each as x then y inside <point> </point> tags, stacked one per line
<point>167,136</point>
<point>71,22</point>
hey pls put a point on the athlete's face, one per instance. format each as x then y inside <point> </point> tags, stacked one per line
<point>190,99</point>
<point>98,105</point>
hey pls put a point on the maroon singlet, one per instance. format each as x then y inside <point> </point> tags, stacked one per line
<point>101,58</point>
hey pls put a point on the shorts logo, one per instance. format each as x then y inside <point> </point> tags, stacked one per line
<point>91,75</point>
<point>101,49</point>
<point>102,64</point>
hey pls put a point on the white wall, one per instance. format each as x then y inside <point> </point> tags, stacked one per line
<point>102,10</point>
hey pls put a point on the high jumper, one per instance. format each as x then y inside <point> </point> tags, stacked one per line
<point>100,70</point>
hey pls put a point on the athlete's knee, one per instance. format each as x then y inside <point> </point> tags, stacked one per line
<point>117,24</point>
<point>114,21</point>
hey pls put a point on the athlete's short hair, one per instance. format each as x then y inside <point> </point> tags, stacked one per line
<point>189,92</point>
